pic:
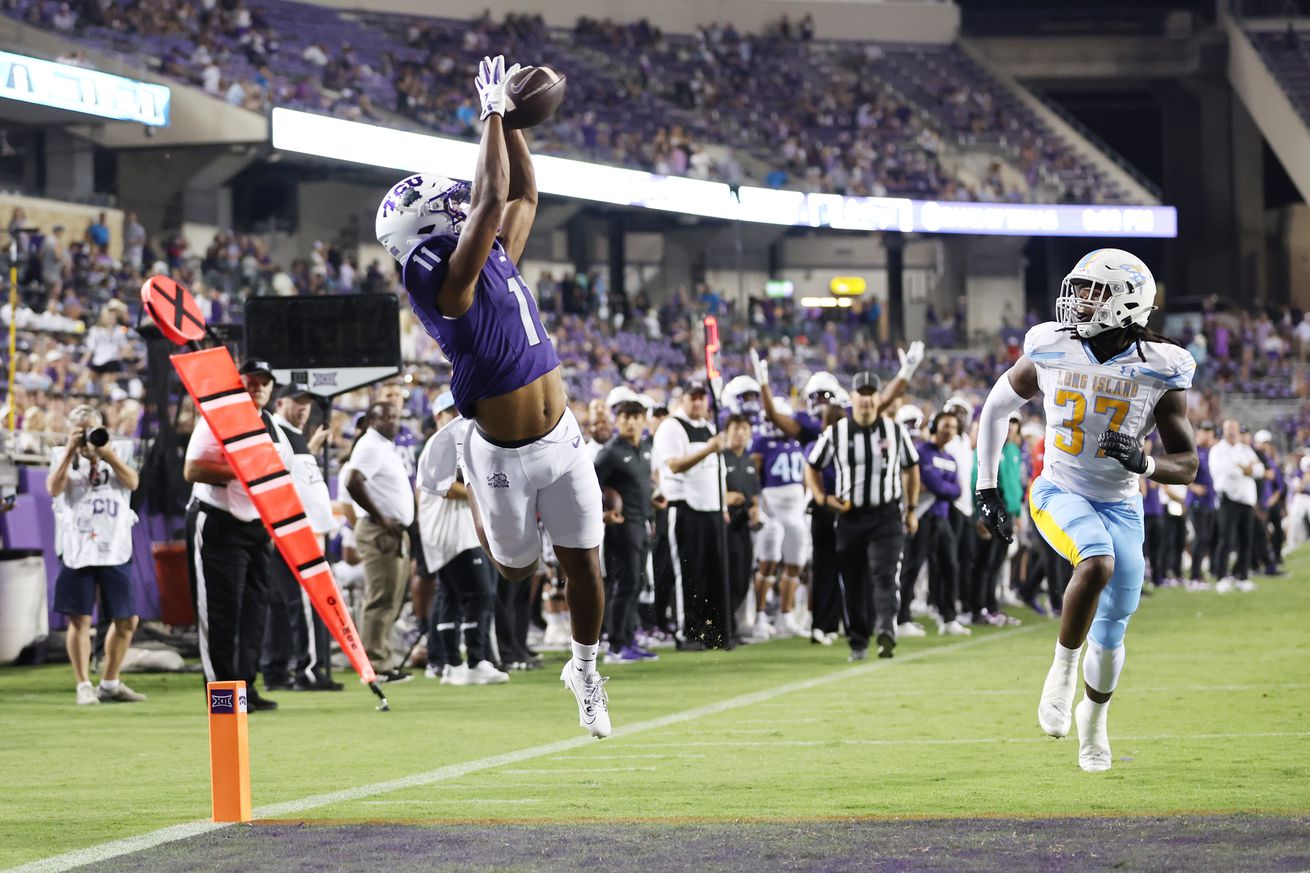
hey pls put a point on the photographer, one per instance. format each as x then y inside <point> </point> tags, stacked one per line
<point>91,488</point>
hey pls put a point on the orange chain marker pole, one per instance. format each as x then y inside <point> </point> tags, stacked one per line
<point>229,751</point>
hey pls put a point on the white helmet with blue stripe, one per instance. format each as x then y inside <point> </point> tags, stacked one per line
<point>735,392</point>
<point>1107,289</point>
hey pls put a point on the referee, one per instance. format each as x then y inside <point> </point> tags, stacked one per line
<point>877,489</point>
<point>227,549</point>
<point>687,452</point>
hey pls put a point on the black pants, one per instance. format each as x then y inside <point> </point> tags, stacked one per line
<point>741,565</point>
<point>696,543</point>
<point>462,605</point>
<point>227,561</point>
<point>869,543</point>
<point>1277,539</point>
<point>1235,524</point>
<point>513,611</point>
<point>626,547</point>
<point>966,540</point>
<point>825,594</point>
<point>916,552</point>
<point>1204,542</point>
<point>666,578</point>
<point>1175,540</point>
<point>286,642</point>
<point>1046,564</point>
<point>980,589</point>
<point>943,564</point>
<point>1155,543</point>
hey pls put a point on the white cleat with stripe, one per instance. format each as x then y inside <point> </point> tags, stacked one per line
<point>1093,737</point>
<point>1055,709</point>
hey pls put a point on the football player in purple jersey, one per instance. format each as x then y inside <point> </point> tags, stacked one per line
<point>522,451</point>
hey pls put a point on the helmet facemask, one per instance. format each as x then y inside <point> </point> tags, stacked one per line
<point>1084,304</point>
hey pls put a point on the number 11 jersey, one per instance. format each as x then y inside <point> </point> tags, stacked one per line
<point>1083,398</point>
<point>499,344</point>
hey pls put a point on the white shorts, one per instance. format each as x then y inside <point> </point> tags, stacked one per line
<point>552,477</point>
<point>784,536</point>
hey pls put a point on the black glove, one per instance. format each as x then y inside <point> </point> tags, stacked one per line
<point>1124,449</point>
<point>991,512</point>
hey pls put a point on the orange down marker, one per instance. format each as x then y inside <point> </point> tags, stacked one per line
<point>229,751</point>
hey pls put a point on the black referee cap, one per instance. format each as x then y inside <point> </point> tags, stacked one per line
<point>866,381</point>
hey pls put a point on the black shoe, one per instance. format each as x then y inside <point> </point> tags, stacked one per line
<point>886,642</point>
<point>690,646</point>
<point>318,683</point>
<point>255,702</point>
<point>278,683</point>
<point>395,675</point>
<point>858,655</point>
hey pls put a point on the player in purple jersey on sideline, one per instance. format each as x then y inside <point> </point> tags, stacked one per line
<point>822,392</point>
<point>523,455</point>
<point>782,542</point>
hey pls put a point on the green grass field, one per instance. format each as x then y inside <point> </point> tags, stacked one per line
<point>1212,716</point>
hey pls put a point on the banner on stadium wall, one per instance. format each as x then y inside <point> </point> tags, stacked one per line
<point>77,89</point>
<point>407,151</point>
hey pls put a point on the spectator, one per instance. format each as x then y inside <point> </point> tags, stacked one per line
<point>93,521</point>
<point>97,234</point>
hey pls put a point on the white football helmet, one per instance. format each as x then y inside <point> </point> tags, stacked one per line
<point>736,389</point>
<point>820,384</point>
<point>959,403</point>
<point>1107,289</point>
<point>419,207</point>
<point>911,417</point>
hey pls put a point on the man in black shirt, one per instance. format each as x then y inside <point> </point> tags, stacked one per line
<point>623,464</point>
<point>743,501</point>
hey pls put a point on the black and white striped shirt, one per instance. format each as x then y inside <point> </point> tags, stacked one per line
<point>868,461</point>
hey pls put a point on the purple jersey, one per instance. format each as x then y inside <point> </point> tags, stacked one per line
<point>811,427</point>
<point>781,461</point>
<point>496,347</point>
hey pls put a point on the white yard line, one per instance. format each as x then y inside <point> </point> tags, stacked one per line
<point>971,741</point>
<point>537,771</point>
<point>1022,692</point>
<point>99,854</point>
<point>460,800</point>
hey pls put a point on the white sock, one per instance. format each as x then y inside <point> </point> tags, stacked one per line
<point>1102,666</point>
<point>584,657</point>
<point>1098,709</point>
<point>1065,658</point>
<point>81,685</point>
<point>108,684</point>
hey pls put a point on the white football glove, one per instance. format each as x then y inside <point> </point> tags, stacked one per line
<point>761,368</point>
<point>490,83</point>
<point>910,360</point>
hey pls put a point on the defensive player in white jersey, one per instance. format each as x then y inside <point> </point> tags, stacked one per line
<point>1107,382</point>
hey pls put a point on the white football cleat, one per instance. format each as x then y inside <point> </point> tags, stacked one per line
<point>1224,585</point>
<point>790,626</point>
<point>485,673</point>
<point>1093,737</point>
<point>954,629</point>
<point>763,630</point>
<point>593,702</point>
<point>1246,586</point>
<point>1055,709</point>
<point>910,629</point>
<point>86,694</point>
<point>455,674</point>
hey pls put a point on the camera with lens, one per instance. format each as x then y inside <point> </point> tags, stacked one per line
<point>96,436</point>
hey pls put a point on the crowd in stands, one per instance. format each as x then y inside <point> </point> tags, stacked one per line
<point>779,108</point>
<point>78,306</point>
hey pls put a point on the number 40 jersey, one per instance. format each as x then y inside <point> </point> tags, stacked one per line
<point>499,344</point>
<point>1084,398</point>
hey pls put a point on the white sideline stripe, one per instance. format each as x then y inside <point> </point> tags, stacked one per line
<point>618,757</point>
<point>105,851</point>
<point>460,800</point>
<point>961,741</point>
<point>537,771</point>
<point>1001,692</point>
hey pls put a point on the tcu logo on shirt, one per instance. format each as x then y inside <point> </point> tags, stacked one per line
<point>498,480</point>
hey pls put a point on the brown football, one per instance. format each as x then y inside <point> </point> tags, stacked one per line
<point>532,95</point>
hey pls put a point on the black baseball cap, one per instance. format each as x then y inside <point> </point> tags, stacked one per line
<point>1207,425</point>
<point>257,365</point>
<point>866,381</point>
<point>696,385</point>
<point>631,407</point>
<point>295,390</point>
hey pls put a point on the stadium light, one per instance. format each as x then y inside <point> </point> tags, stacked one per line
<point>352,141</point>
<point>77,89</point>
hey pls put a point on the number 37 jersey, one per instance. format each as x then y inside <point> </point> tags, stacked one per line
<point>499,344</point>
<point>1084,398</point>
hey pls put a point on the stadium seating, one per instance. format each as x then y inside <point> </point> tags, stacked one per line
<point>1287,54</point>
<point>712,104</point>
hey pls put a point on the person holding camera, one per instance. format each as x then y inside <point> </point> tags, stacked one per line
<point>91,487</point>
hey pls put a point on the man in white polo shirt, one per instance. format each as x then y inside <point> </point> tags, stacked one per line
<point>379,483</point>
<point>227,549</point>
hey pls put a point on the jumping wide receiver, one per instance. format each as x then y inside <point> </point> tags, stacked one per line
<point>523,454</point>
<point>1102,374</point>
